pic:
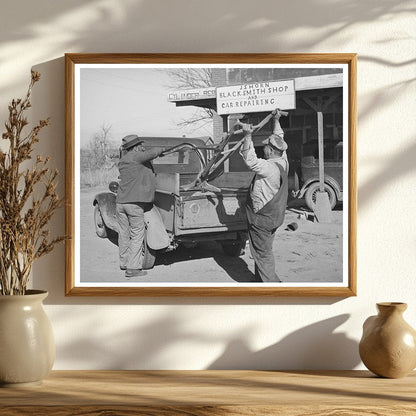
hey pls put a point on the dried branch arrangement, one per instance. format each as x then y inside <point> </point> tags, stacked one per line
<point>28,199</point>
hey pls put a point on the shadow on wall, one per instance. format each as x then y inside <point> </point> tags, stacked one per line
<point>152,345</point>
<point>313,347</point>
<point>132,26</point>
<point>102,18</point>
<point>48,100</point>
<point>144,347</point>
<point>397,166</point>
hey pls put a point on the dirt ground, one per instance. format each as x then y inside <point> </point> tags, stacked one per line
<point>311,253</point>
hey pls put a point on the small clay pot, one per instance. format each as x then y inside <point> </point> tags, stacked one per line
<point>388,345</point>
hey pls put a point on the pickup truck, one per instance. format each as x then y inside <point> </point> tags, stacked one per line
<point>184,213</point>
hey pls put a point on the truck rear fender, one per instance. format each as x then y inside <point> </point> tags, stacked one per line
<point>327,179</point>
<point>156,236</point>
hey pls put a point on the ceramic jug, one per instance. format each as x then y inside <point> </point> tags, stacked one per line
<point>388,345</point>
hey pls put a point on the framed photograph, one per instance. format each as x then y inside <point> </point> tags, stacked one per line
<point>211,174</point>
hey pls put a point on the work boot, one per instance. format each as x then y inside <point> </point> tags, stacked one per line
<point>135,273</point>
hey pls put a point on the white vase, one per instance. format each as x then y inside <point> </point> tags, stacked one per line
<point>27,346</point>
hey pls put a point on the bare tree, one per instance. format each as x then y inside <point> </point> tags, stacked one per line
<point>191,78</point>
<point>99,146</point>
<point>99,159</point>
<point>188,78</point>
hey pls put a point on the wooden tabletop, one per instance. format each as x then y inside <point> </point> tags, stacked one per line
<point>204,393</point>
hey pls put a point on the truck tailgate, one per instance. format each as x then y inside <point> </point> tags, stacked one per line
<point>206,211</point>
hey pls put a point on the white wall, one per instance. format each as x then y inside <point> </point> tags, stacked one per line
<point>200,333</point>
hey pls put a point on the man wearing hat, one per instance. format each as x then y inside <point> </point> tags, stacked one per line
<point>137,185</point>
<point>267,197</point>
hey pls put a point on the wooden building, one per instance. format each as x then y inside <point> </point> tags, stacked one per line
<point>315,90</point>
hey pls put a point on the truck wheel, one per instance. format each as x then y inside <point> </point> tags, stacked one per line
<point>100,227</point>
<point>149,256</point>
<point>310,195</point>
<point>234,248</point>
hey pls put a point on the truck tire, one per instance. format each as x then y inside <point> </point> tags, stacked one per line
<point>149,256</point>
<point>100,227</point>
<point>313,189</point>
<point>234,248</point>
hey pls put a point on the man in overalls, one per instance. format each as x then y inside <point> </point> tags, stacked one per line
<point>267,198</point>
<point>137,185</point>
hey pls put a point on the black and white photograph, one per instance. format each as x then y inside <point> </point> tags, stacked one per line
<point>211,175</point>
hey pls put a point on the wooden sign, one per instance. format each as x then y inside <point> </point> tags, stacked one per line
<point>192,94</point>
<point>255,97</point>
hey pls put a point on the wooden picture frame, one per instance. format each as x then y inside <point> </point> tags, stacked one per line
<point>322,83</point>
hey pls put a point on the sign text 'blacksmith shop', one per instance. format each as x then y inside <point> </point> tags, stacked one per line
<point>255,97</point>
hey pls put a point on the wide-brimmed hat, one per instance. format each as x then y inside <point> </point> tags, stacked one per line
<point>130,141</point>
<point>276,141</point>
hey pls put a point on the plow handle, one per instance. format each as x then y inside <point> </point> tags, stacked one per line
<point>263,122</point>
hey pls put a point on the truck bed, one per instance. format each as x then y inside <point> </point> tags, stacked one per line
<point>196,212</point>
